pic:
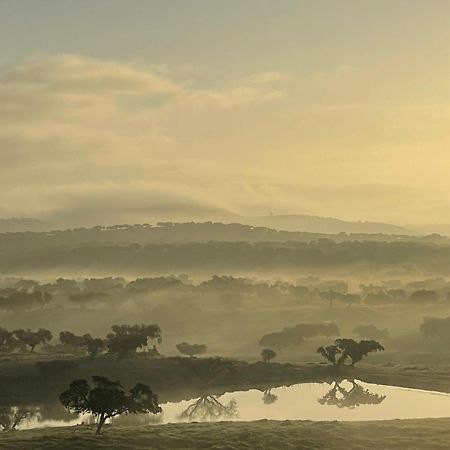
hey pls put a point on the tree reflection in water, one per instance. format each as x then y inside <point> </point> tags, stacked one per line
<point>268,397</point>
<point>12,416</point>
<point>208,408</point>
<point>357,395</point>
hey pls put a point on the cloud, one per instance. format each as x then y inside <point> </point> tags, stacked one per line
<point>86,139</point>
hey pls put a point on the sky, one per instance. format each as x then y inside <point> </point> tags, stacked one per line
<point>132,111</point>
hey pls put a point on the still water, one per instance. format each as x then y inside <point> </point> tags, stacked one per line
<point>307,401</point>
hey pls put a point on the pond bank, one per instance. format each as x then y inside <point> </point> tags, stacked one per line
<point>422,434</point>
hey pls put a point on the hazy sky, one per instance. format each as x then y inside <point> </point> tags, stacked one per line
<point>130,110</point>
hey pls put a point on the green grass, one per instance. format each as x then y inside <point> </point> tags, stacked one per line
<point>395,434</point>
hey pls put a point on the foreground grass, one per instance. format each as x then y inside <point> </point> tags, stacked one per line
<point>395,434</point>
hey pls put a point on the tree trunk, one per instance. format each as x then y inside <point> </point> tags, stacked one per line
<point>100,424</point>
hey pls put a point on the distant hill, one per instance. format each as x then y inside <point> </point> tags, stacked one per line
<point>326,225</point>
<point>14,224</point>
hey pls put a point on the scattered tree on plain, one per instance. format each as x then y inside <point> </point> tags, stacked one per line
<point>33,338</point>
<point>191,349</point>
<point>267,354</point>
<point>344,349</point>
<point>126,339</point>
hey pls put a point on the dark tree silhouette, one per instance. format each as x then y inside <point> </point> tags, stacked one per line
<point>33,338</point>
<point>126,339</point>
<point>72,340</point>
<point>343,349</point>
<point>94,346</point>
<point>8,342</point>
<point>267,354</point>
<point>107,399</point>
<point>330,353</point>
<point>293,336</point>
<point>191,349</point>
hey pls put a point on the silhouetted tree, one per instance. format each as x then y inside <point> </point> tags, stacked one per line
<point>8,342</point>
<point>423,296</point>
<point>191,349</point>
<point>330,353</point>
<point>33,338</point>
<point>126,339</point>
<point>74,341</point>
<point>292,336</point>
<point>267,354</point>
<point>94,346</point>
<point>108,399</point>
<point>348,348</point>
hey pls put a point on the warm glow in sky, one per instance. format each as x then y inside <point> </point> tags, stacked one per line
<point>132,110</point>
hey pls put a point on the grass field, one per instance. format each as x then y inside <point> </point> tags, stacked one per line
<point>395,434</point>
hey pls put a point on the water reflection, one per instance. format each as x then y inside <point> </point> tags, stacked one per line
<point>357,395</point>
<point>268,397</point>
<point>11,417</point>
<point>352,400</point>
<point>208,408</point>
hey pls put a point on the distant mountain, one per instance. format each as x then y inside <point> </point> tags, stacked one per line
<point>326,225</point>
<point>15,224</point>
<point>442,229</point>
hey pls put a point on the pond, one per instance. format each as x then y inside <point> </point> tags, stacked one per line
<point>346,401</point>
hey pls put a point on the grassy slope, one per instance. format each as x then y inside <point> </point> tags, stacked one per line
<point>405,434</point>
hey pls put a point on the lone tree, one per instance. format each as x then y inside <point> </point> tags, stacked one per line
<point>191,349</point>
<point>94,346</point>
<point>8,342</point>
<point>72,340</point>
<point>33,338</point>
<point>267,354</point>
<point>343,349</point>
<point>126,339</point>
<point>108,399</point>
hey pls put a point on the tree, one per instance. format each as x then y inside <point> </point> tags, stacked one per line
<point>348,348</point>
<point>293,336</point>
<point>191,349</point>
<point>423,296</point>
<point>94,346</point>
<point>8,342</point>
<point>10,417</point>
<point>267,354</point>
<point>330,353</point>
<point>74,341</point>
<point>126,339</point>
<point>43,298</point>
<point>107,399</point>
<point>33,338</point>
